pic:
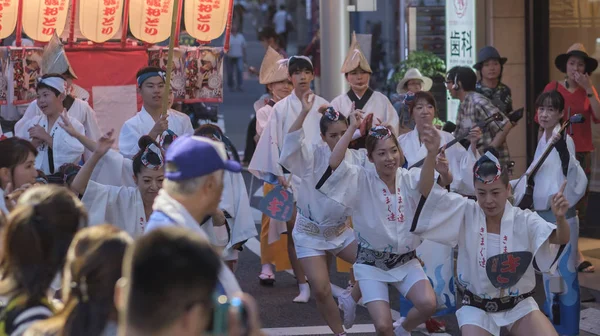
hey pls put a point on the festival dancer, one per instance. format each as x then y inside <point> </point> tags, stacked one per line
<point>495,279</point>
<point>562,304</point>
<point>273,245</point>
<point>438,258</point>
<point>320,221</point>
<point>265,162</point>
<point>55,146</point>
<point>382,211</point>
<point>150,120</point>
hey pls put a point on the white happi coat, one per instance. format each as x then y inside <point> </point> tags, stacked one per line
<point>120,206</point>
<point>379,105</point>
<point>141,124</point>
<point>80,110</point>
<point>320,223</point>
<point>235,202</point>
<point>452,219</point>
<point>115,170</point>
<point>262,118</point>
<point>265,161</point>
<point>438,258</point>
<point>381,219</point>
<point>550,176</point>
<point>65,148</point>
<point>177,215</point>
<point>460,160</point>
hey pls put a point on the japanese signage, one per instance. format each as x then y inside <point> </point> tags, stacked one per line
<point>101,23</point>
<point>150,20</point>
<point>506,269</point>
<point>8,17</point>
<point>460,41</point>
<point>205,20</point>
<point>197,73</point>
<point>26,66</point>
<point>278,204</point>
<point>41,18</point>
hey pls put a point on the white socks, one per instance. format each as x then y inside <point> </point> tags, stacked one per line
<point>304,295</point>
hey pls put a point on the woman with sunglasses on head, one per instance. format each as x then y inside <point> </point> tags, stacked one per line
<point>438,258</point>
<point>496,244</point>
<point>320,221</point>
<point>562,305</point>
<point>383,201</point>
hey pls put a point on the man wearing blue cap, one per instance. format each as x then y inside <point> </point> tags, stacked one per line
<point>192,191</point>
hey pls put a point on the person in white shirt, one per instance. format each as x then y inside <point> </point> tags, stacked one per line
<point>161,127</point>
<point>358,72</point>
<point>55,146</point>
<point>281,20</point>
<point>236,58</point>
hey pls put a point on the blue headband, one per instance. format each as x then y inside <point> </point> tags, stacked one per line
<point>142,78</point>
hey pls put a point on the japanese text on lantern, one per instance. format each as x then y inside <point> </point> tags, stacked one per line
<point>109,17</point>
<point>153,13</point>
<point>3,4</point>
<point>205,8</point>
<point>50,16</point>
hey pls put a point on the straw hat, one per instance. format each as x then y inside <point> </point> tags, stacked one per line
<point>54,58</point>
<point>355,58</point>
<point>274,68</point>
<point>578,50</point>
<point>411,74</point>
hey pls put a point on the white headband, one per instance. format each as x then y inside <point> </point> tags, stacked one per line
<point>55,82</point>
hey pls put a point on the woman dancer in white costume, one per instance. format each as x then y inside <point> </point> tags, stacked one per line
<point>483,229</point>
<point>382,213</point>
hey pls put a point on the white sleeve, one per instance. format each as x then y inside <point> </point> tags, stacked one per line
<point>187,126</point>
<point>343,183</point>
<point>391,116</point>
<point>440,216</point>
<point>577,181</point>
<point>262,118</point>
<point>65,148</point>
<point>22,125</point>
<point>296,155</point>
<point>461,163</point>
<point>128,140</point>
<point>92,130</point>
<point>237,205</point>
<point>111,204</point>
<point>265,161</point>
<point>114,169</point>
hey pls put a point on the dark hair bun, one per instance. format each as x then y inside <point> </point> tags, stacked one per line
<point>492,151</point>
<point>146,141</point>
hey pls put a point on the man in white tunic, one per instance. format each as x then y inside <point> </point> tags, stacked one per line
<point>151,120</point>
<point>54,60</point>
<point>358,73</point>
<point>192,191</point>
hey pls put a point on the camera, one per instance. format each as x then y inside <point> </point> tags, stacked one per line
<point>219,322</point>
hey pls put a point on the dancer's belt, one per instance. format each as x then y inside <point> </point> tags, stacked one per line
<point>490,305</point>
<point>383,260</point>
<point>328,230</point>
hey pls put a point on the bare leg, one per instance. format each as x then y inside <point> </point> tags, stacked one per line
<point>296,266</point>
<point>349,255</point>
<point>533,324</point>
<point>382,317</point>
<point>473,330</point>
<point>316,270</point>
<point>423,298</point>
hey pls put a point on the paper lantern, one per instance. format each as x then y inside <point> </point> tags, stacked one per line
<point>100,20</point>
<point>8,17</point>
<point>150,20</point>
<point>206,20</point>
<point>41,18</point>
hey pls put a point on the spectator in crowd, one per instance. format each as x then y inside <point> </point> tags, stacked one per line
<point>236,59</point>
<point>490,67</point>
<point>34,246</point>
<point>282,21</point>
<point>411,83</point>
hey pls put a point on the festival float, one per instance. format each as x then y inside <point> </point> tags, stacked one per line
<point>107,41</point>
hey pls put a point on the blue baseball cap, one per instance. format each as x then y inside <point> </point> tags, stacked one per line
<point>193,156</point>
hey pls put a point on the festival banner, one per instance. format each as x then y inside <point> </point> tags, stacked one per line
<point>4,63</point>
<point>8,17</point>
<point>26,66</point>
<point>41,18</point>
<point>100,20</point>
<point>150,20</point>
<point>197,73</point>
<point>205,20</point>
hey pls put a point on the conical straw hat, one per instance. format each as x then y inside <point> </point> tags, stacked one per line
<point>54,58</point>
<point>274,68</point>
<point>355,58</point>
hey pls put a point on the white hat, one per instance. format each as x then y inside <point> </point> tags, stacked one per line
<point>274,68</point>
<point>414,73</point>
